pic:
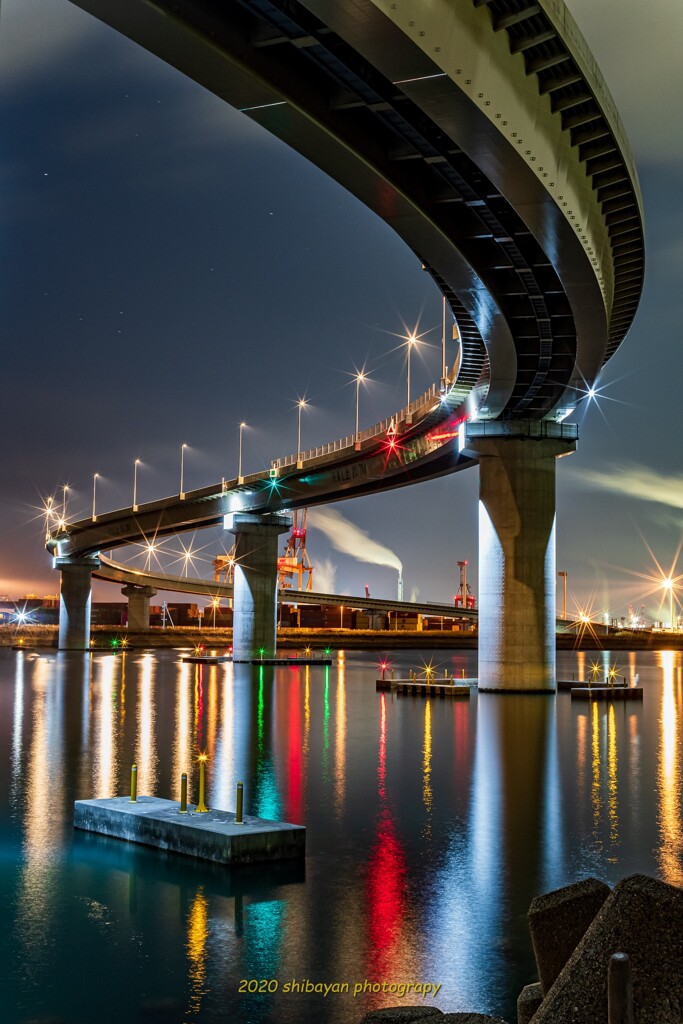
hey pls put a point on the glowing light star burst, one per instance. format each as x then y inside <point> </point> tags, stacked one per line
<point>585,624</point>
<point>592,394</point>
<point>188,556</point>
<point>429,669</point>
<point>662,582</point>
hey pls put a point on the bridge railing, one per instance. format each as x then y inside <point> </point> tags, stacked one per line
<point>523,428</point>
<point>415,407</point>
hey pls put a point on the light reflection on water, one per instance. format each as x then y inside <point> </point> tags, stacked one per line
<point>670,853</point>
<point>431,825</point>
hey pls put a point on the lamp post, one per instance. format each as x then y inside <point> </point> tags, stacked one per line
<point>301,404</point>
<point>564,595</point>
<point>65,489</point>
<point>240,478</point>
<point>669,585</point>
<point>412,340</point>
<point>95,478</point>
<point>360,377</point>
<point>135,484</point>
<point>182,470</point>
<point>444,368</point>
<point>49,513</point>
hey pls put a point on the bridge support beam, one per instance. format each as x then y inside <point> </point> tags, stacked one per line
<point>255,584</point>
<point>138,605</point>
<point>74,602</point>
<point>517,558</point>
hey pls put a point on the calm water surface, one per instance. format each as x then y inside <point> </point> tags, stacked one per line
<point>431,824</point>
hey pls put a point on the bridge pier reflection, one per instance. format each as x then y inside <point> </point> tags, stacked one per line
<point>75,592</point>
<point>138,605</point>
<point>517,553</point>
<point>255,583</point>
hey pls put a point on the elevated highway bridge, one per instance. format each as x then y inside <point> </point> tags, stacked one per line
<point>483,133</point>
<point>114,572</point>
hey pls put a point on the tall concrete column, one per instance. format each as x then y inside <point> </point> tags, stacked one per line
<point>74,602</point>
<point>255,584</point>
<point>138,605</point>
<point>517,555</point>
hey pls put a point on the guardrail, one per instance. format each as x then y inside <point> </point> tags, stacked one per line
<point>523,428</point>
<point>363,435</point>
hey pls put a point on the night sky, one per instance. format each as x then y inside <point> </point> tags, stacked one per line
<point>169,269</point>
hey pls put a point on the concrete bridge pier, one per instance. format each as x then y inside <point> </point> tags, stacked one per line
<point>138,605</point>
<point>255,583</point>
<point>517,553</point>
<point>74,601</point>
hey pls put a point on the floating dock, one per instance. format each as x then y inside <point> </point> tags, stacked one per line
<point>213,835</point>
<point>440,687</point>
<point>206,659</point>
<point>572,684</point>
<point>607,693</point>
<point>282,661</point>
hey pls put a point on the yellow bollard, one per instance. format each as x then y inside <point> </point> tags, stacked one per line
<point>183,793</point>
<point>239,818</point>
<point>134,784</point>
<point>201,807</point>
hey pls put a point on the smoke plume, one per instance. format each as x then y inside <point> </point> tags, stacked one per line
<point>324,576</point>
<point>638,482</point>
<point>350,539</point>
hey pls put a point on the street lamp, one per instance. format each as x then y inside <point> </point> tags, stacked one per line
<point>240,478</point>
<point>412,340</point>
<point>564,591</point>
<point>95,478</point>
<point>669,585</point>
<point>135,484</point>
<point>301,404</point>
<point>360,377</point>
<point>65,489</point>
<point>215,602</point>
<point>49,513</point>
<point>182,470</point>
<point>444,367</point>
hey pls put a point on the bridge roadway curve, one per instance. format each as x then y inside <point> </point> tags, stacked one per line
<point>483,133</point>
<point>114,572</point>
<point>480,130</point>
<point>426,444</point>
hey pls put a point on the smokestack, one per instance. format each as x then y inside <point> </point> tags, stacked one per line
<point>400,585</point>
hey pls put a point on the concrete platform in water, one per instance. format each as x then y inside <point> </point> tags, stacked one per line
<point>283,661</point>
<point>573,684</point>
<point>418,687</point>
<point>607,693</point>
<point>206,659</point>
<point>213,835</point>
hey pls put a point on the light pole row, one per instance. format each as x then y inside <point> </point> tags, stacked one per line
<point>360,377</point>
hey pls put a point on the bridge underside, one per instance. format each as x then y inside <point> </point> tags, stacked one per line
<point>543,276</point>
<point>482,132</point>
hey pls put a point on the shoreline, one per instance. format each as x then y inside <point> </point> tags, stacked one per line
<point>32,637</point>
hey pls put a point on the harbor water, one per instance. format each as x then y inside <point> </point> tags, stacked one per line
<point>431,824</point>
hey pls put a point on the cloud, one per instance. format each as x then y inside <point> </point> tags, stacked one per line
<point>637,482</point>
<point>350,539</point>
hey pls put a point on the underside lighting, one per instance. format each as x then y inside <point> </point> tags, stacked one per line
<point>263,106</point>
